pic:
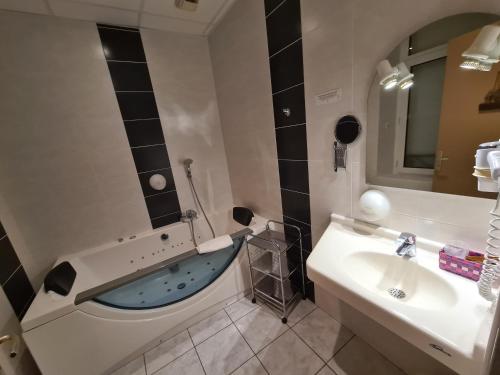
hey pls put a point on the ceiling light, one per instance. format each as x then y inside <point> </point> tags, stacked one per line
<point>388,75</point>
<point>484,51</point>
<point>189,5</point>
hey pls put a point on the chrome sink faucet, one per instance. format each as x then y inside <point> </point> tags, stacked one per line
<point>406,245</point>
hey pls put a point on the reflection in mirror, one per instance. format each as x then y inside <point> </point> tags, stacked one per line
<point>424,137</point>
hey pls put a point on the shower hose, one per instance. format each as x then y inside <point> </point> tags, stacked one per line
<point>197,199</point>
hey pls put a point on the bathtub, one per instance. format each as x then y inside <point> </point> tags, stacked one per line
<point>116,308</point>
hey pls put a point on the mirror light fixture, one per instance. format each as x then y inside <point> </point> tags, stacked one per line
<point>390,76</point>
<point>405,78</point>
<point>484,51</point>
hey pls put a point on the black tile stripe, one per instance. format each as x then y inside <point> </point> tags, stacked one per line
<point>13,278</point>
<point>151,158</point>
<point>305,230</point>
<point>129,73</point>
<point>162,204</point>
<point>296,205</point>
<point>291,142</point>
<point>121,45</point>
<point>271,5</point>
<point>278,37</point>
<point>130,77</point>
<point>284,38</point>
<point>289,107</point>
<point>294,175</point>
<point>19,291</point>
<point>287,68</point>
<point>166,220</point>
<point>137,105</point>
<point>9,261</point>
<point>144,132</point>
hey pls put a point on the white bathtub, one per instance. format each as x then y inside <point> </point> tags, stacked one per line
<point>92,338</point>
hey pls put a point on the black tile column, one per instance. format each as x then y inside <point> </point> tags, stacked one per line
<point>13,278</point>
<point>284,40</point>
<point>129,72</point>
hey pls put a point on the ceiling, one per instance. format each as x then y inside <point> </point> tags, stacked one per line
<point>153,14</point>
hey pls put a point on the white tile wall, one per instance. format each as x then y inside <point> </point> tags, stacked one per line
<point>343,40</point>
<point>238,47</point>
<point>67,177</point>
<point>181,74</point>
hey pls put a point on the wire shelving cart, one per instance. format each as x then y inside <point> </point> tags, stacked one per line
<point>272,270</point>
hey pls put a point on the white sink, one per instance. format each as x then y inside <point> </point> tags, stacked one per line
<point>438,312</point>
<point>400,279</point>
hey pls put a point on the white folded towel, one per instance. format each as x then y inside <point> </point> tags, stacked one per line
<point>216,244</point>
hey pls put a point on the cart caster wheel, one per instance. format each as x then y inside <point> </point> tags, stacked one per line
<point>254,300</point>
<point>284,320</point>
<point>304,298</point>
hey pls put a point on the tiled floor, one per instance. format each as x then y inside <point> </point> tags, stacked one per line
<point>249,339</point>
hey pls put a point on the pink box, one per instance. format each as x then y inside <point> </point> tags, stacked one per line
<point>462,267</point>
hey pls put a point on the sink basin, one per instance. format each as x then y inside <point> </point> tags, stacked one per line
<point>400,279</point>
<point>438,312</point>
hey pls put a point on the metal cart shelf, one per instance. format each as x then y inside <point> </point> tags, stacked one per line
<point>271,272</point>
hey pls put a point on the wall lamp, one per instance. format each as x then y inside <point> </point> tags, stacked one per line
<point>390,76</point>
<point>484,51</point>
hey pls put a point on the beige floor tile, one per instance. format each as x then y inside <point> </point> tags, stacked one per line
<point>135,367</point>
<point>186,364</point>
<point>224,352</point>
<point>240,308</point>
<point>322,333</point>
<point>208,327</point>
<point>326,371</point>
<point>289,355</point>
<point>260,327</point>
<point>251,367</point>
<point>358,358</point>
<point>168,351</point>
<point>303,308</point>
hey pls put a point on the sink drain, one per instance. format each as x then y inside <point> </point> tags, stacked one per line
<point>396,293</point>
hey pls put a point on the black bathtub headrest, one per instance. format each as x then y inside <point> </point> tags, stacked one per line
<point>60,279</point>
<point>243,215</point>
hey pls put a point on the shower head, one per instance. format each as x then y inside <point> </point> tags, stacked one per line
<point>187,166</point>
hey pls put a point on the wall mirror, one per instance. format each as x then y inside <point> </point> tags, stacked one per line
<point>424,135</point>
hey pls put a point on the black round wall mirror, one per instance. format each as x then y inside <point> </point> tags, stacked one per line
<point>347,129</point>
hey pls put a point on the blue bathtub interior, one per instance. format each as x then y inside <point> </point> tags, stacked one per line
<point>173,283</point>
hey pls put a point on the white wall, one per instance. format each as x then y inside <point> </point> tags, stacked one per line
<point>238,47</point>
<point>183,82</point>
<point>343,41</point>
<point>67,177</point>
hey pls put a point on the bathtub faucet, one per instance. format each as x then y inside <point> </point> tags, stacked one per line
<point>188,217</point>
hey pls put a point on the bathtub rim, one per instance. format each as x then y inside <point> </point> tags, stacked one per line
<point>48,307</point>
<point>90,294</point>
